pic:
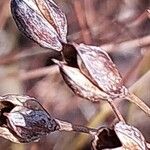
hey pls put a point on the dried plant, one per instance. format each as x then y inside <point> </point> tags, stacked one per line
<point>121,136</point>
<point>41,21</point>
<point>87,70</point>
<point>24,120</point>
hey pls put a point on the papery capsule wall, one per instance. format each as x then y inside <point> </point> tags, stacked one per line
<point>47,27</point>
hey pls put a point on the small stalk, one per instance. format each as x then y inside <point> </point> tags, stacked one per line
<point>137,101</point>
<point>66,126</point>
<point>116,111</point>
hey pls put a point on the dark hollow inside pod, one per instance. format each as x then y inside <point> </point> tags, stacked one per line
<point>107,138</point>
<point>5,107</point>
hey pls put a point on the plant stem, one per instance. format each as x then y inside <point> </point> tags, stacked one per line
<point>137,101</point>
<point>66,126</point>
<point>79,128</point>
<point>116,111</point>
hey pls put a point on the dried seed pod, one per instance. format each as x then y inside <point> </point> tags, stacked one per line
<point>29,124</point>
<point>121,137</point>
<point>42,21</point>
<point>80,84</point>
<point>130,137</point>
<point>54,16</point>
<point>96,65</point>
<point>23,119</point>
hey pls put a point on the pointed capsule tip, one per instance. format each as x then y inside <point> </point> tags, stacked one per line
<point>57,62</point>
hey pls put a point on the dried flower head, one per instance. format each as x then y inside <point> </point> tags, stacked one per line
<point>130,137</point>
<point>81,85</point>
<point>121,137</point>
<point>42,21</point>
<point>96,65</point>
<point>95,76</point>
<point>23,119</point>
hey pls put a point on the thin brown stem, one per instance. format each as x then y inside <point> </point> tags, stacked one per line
<point>116,111</point>
<point>137,101</point>
<point>66,126</point>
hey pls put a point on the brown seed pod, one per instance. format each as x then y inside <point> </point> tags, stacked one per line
<point>24,120</point>
<point>42,21</point>
<point>80,84</point>
<point>54,16</point>
<point>96,65</point>
<point>130,137</point>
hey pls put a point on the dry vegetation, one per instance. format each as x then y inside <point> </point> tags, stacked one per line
<point>120,27</point>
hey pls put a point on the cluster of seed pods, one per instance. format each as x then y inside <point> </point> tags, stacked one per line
<point>92,75</point>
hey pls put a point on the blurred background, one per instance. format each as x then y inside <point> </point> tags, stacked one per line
<point>120,27</point>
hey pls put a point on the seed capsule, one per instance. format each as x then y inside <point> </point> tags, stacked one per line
<point>41,21</point>
<point>24,120</point>
<point>80,84</point>
<point>96,65</point>
<point>130,137</point>
<point>120,137</point>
